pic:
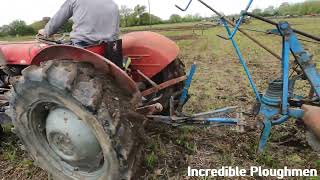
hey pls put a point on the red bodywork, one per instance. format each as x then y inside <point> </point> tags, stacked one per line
<point>150,52</point>
<point>79,54</point>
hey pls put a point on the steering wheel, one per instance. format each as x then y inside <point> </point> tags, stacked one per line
<point>52,41</point>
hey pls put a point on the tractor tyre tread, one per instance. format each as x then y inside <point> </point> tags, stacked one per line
<point>90,89</point>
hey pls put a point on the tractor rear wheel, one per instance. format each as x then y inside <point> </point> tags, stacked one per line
<point>1,130</point>
<point>76,122</point>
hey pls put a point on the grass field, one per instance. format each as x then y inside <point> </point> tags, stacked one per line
<point>220,81</point>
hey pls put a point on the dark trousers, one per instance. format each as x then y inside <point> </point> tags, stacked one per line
<point>113,50</point>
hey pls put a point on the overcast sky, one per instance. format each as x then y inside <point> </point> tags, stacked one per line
<point>32,10</point>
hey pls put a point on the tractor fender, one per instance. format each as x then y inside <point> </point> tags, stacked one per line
<point>150,52</point>
<point>65,52</point>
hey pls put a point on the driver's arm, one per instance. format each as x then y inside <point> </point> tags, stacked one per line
<point>58,20</point>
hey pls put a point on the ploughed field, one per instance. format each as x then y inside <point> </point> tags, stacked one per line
<point>220,81</point>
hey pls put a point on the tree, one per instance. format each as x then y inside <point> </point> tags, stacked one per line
<point>125,13</point>
<point>19,27</point>
<point>197,17</point>
<point>188,18</point>
<point>284,5</point>
<point>67,27</point>
<point>304,8</point>
<point>257,11</point>
<point>138,12</point>
<point>284,9</point>
<point>269,11</point>
<point>175,18</point>
<point>191,18</point>
<point>37,25</point>
<point>144,19</point>
<point>4,30</point>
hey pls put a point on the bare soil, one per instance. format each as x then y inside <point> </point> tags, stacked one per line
<point>14,162</point>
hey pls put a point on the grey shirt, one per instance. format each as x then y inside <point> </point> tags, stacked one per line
<point>94,20</point>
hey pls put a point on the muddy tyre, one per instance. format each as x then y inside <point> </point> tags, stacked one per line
<point>1,131</point>
<point>75,122</point>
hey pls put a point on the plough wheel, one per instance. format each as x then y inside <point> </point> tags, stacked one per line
<point>75,122</point>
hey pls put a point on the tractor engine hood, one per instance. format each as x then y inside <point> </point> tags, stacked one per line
<point>20,53</point>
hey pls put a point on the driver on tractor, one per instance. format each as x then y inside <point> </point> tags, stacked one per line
<point>95,21</point>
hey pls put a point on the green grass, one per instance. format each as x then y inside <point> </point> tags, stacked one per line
<point>220,81</point>
<point>11,155</point>
<point>185,139</point>
<point>147,28</point>
<point>17,38</point>
<point>151,160</point>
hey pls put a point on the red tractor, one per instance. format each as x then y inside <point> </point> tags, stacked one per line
<point>75,111</point>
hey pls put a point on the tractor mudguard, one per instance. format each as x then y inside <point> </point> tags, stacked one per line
<point>65,52</point>
<point>150,52</point>
<point>20,53</point>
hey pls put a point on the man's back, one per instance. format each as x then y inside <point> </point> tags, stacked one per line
<point>94,20</point>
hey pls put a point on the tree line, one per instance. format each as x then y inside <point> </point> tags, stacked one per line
<point>138,16</point>
<point>20,28</point>
<point>309,7</point>
<point>17,27</point>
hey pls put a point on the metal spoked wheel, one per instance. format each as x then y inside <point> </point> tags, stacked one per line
<point>74,122</point>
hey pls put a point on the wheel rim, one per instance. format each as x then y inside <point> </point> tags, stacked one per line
<point>72,139</point>
<point>67,152</point>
